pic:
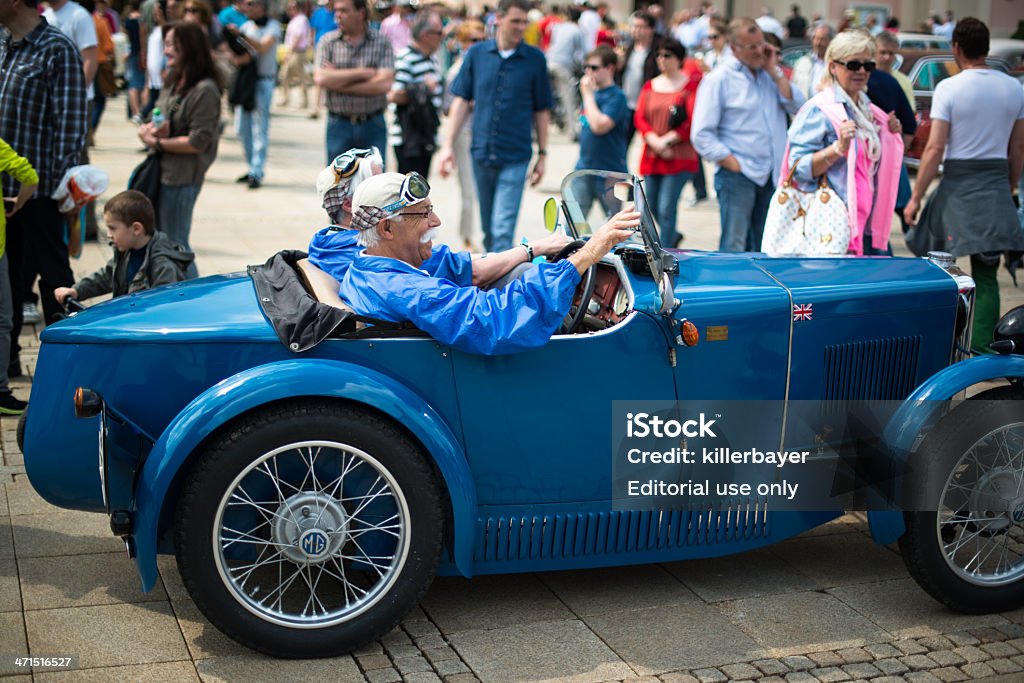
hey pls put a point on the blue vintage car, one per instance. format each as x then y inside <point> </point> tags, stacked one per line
<point>311,491</point>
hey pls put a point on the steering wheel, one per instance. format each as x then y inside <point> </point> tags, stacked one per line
<point>584,290</point>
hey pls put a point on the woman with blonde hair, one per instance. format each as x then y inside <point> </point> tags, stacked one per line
<point>839,134</point>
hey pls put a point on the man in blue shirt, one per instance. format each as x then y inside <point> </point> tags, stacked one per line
<point>605,127</point>
<point>739,122</point>
<point>390,279</point>
<point>507,83</point>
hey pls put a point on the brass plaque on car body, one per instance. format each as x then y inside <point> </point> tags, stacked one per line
<point>716,333</point>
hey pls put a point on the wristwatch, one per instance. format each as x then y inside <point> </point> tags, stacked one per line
<point>542,152</point>
<point>529,250</point>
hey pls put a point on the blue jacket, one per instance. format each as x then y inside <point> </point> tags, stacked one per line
<point>519,317</point>
<point>333,249</point>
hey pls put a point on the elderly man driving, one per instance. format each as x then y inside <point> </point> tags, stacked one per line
<point>389,279</point>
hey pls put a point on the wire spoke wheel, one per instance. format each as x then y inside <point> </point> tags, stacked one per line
<point>964,542</point>
<point>311,547</point>
<point>980,516</point>
<point>311,534</point>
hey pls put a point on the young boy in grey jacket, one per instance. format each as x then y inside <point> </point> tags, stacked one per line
<point>143,258</point>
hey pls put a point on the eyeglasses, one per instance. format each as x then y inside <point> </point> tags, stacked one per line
<point>667,55</point>
<point>415,188</point>
<point>346,164</point>
<point>757,47</point>
<point>714,36</point>
<point>416,214</point>
<point>592,67</point>
<point>857,65</point>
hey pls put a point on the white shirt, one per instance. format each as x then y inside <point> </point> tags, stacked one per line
<point>978,132</point>
<point>73,21</point>
<point>590,24</point>
<point>155,58</point>
<point>633,76</point>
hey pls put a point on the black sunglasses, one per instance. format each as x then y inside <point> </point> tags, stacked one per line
<point>591,67</point>
<point>857,65</point>
<point>714,36</point>
<point>668,55</point>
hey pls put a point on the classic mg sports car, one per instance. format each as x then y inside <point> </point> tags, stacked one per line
<point>312,473</point>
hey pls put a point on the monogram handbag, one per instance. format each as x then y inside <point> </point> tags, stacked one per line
<point>801,223</point>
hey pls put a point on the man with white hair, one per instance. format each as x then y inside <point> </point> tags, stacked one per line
<point>401,276</point>
<point>333,248</point>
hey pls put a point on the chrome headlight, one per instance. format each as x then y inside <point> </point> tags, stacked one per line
<point>964,305</point>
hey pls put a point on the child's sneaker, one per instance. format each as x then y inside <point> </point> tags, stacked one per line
<point>9,405</point>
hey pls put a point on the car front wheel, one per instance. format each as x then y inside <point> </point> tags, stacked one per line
<point>967,548</point>
<point>308,529</point>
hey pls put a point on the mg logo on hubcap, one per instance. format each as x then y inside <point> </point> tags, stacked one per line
<point>314,544</point>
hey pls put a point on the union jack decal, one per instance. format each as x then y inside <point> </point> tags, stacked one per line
<point>802,311</point>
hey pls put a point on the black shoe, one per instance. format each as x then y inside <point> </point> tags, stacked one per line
<point>10,405</point>
<point>254,183</point>
<point>244,178</point>
<point>14,369</point>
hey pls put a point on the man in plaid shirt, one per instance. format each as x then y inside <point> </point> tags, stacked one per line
<point>355,67</point>
<point>43,116</point>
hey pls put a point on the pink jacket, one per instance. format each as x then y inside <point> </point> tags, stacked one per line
<point>886,180</point>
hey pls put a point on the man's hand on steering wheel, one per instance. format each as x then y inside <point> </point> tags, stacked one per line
<point>549,245</point>
<point>619,228</point>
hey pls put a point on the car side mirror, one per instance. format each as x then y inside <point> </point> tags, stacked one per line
<point>551,214</point>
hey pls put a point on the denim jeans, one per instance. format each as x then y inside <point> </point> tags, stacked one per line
<point>742,207</point>
<point>254,127</point>
<point>343,135</point>
<point>500,191</point>
<point>175,221</point>
<point>663,195</point>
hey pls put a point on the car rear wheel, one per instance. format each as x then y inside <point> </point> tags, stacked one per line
<point>308,529</point>
<point>967,548</point>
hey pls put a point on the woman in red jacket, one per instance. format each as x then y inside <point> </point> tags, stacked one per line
<point>668,159</point>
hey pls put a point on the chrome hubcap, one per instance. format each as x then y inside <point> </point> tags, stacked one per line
<point>310,527</point>
<point>311,534</point>
<point>980,520</point>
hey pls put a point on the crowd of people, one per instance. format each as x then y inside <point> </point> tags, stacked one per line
<point>425,87</point>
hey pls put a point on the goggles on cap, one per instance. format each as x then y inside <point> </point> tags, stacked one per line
<point>346,164</point>
<point>415,188</point>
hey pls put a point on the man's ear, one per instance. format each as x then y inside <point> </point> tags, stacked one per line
<point>138,228</point>
<point>384,229</point>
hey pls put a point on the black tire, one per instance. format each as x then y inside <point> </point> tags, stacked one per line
<point>1006,392</point>
<point>362,594</point>
<point>964,545</point>
<point>20,432</point>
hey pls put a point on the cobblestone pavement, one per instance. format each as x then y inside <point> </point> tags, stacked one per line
<point>826,606</point>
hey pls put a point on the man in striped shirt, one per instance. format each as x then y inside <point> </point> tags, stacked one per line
<point>416,96</point>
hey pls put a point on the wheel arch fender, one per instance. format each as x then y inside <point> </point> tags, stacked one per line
<point>261,385</point>
<point>922,409</point>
